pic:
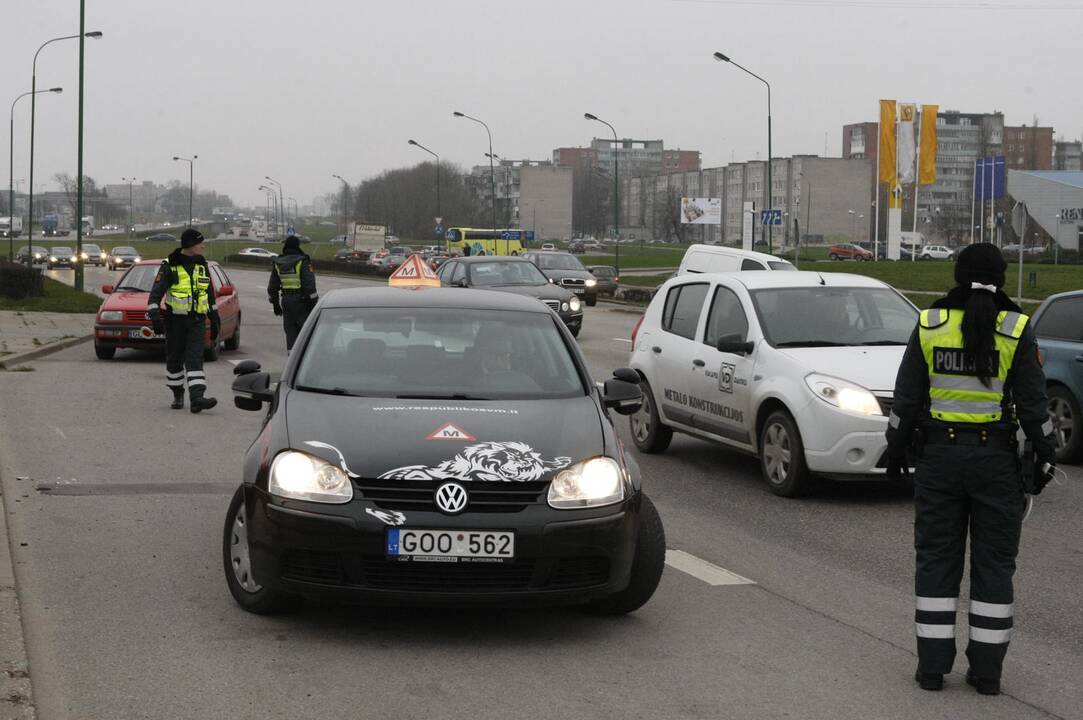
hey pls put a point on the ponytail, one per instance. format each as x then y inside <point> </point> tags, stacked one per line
<point>979,325</point>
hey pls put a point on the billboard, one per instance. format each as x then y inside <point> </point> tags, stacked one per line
<point>701,211</point>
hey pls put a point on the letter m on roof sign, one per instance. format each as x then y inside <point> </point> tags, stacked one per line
<point>451,432</point>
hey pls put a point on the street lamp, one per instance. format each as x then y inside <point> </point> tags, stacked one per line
<point>296,212</point>
<point>11,174</point>
<point>492,172</point>
<point>131,227</point>
<point>616,193</point>
<point>345,205</point>
<point>281,200</point>
<point>416,144</point>
<point>33,106</point>
<point>722,58</point>
<point>191,162</point>
<point>274,209</point>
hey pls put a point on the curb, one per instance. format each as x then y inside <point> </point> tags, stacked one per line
<point>16,693</point>
<point>10,361</point>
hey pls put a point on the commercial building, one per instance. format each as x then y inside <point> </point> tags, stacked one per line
<point>1054,201</point>
<point>529,194</point>
<point>1068,155</point>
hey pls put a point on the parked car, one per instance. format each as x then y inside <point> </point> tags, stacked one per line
<point>162,237</point>
<point>935,252</point>
<point>122,257</point>
<point>714,258</point>
<point>61,257</point>
<point>548,246</point>
<point>122,318</point>
<point>1058,323</point>
<point>565,270</point>
<point>607,278</point>
<point>848,251</point>
<point>258,252</point>
<point>93,255</point>
<point>514,275</point>
<point>577,247</point>
<point>39,254</point>
<point>797,368</point>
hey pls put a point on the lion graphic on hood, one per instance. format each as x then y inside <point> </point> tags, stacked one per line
<point>487,462</point>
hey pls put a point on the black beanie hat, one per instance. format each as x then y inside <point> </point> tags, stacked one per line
<point>293,243</point>
<point>980,263</point>
<point>191,237</point>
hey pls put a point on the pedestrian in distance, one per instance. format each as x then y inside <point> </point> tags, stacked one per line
<point>292,288</point>
<point>969,380</point>
<point>184,280</point>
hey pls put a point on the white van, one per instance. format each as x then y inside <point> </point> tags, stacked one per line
<point>715,258</point>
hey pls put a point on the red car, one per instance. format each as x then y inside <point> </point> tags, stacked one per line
<point>849,251</point>
<point>122,319</point>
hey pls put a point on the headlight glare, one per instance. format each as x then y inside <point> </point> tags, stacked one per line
<point>591,283</point>
<point>846,396</point>
<point>300,476</point>
<point>591,483</point>
<point>575,305</point>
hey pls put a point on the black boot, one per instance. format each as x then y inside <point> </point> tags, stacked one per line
<point>985,686</point>
<point>202,403</point>
<point>929,681</point>
<point>178,400</point>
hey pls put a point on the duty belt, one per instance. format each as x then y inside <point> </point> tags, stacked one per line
<point>291,292</point>
<point>976,436</point>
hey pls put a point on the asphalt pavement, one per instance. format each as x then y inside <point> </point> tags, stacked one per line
<point>117,530</point>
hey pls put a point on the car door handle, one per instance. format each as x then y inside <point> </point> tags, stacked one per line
<point>657,349</point>
<point>698,363</point>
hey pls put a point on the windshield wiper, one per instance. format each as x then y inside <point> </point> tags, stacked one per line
<point>810,343</point>
<point>884,342</point>
<point>130,287</point>
<point>452,396</point>
<point>328,391</point>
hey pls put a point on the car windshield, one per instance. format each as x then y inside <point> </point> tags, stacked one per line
<point>139,278</point>
<point>91,248</point>
<point>124,251</point>
<point>557,262</point>
<point>834,316</point>
<point>59,251</point>
<point>506,272</point>
<point>440,353</point>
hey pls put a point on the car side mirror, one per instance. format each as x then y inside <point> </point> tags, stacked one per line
<point>625,398</point>
<point>734,344</point>
<point>463,282</point>
<point>246,367</point>
<point>107,289</point>
<point>252,389</point>
<point>225,291</point>
<point>627,375</point>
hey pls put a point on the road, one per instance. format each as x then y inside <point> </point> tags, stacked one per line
<point>127,614</point>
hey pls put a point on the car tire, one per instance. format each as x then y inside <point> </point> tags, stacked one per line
<point>782,456</point>
<point>835,257</point>
<point>647,566</point>
<point>234,341</point>
<point>244,588</point>
<point>649,433</point>
<point>104,352</point>
<point>211,354</point>
<point>1065,408</point>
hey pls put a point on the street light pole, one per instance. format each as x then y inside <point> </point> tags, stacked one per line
<point>345,205</point>
<point>191,163</point>
<point>131,227</point>
<point>723,58</point>
<point>616,192</point>
<point>11,174</point>
<point>281,199</point>
<point>416,144</point>
<point>492,174</point>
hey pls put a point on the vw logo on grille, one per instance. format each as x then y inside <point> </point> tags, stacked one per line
<point>451,498</point>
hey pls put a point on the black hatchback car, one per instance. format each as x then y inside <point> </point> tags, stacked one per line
<point>442,447</point>
<point>565,270</point>
<point>514,275</point>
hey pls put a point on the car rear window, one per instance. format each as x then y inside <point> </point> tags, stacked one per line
<point>1062,320</point>
<point>441,353</point>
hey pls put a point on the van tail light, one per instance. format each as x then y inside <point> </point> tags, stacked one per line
<point>635,330</point>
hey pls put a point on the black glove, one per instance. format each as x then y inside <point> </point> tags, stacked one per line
<point>216,324</point>
<point>897,468</point>
<point>276,306</point>
<point>1036,482</point>
<point>310,302</point>
<point>155,315</point>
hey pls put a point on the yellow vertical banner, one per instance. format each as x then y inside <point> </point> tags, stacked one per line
<point>927,171</point>
<point>887,142</point>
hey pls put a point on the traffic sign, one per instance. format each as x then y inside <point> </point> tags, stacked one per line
<point>290,230</point>
<point>771,217</point>
<point>439,220</point>
<point>439,229</point>
<point>415,272</point>
<point>510,235</point>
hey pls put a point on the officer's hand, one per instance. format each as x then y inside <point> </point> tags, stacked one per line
<point>897,468</point>
<point>1043,474</point>
<point>216,323</point>
<point>156,321</point>
<point>310,302</point>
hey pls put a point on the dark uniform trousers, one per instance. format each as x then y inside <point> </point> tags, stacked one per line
<point>957,486</point>
<point>184,335</point>
<point>295,310</point>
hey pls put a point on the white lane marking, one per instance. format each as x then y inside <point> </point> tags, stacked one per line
<point>703,570</point>
<point>59,432</point>
<point>623,340</point>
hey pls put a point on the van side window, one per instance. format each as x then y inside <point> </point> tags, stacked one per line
<point>684,303</point>
<point>726,317</point>
<point>747,264</point>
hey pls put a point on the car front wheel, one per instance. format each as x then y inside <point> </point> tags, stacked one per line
<point>104,352</point>
<point>1069,423</point>
<point>647,566</point>
<point>243,586</point>
<point>649,434</point>
<point>782,456</point>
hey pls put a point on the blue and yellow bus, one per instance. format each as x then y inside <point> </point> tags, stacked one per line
<point>506,241</point>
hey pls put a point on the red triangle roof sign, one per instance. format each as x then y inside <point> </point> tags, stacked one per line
<point>414,272</point>
<point>450,431</point>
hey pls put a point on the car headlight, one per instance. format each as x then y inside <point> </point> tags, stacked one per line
<point>84,256</point>
<point>591,483</point>
<point>300,476</point>
<point>111,316</point>
<point>136,259</point>
<point>844,395</point>
<point>575,304</point>
<point>564,307</point>
<point>591,283</point>
<point>52,258</point>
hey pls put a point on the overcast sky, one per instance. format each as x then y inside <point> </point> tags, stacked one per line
<point>301,90</point>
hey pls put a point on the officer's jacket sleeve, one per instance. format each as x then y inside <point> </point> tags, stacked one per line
<point>308,279</point>
<point>162,282</point>
<point>1026,383</point>
<point>910,397</point>
<point>274,284</point>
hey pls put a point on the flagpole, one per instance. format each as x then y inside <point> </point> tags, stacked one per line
<point>917,180</point>
<point>876,185</point>
<point>993,202</point>
<point>973,200</point>
<point>981,215</point>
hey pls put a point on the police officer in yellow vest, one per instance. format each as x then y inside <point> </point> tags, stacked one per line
<point>184,280</point>
<point>292,277</point>
<point>969,379</point>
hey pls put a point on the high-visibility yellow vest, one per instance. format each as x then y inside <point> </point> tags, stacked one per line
<point>291,279</point>
<point>956,393</point>
<point>188,293</point>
